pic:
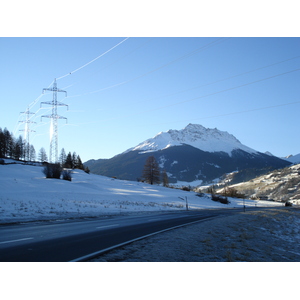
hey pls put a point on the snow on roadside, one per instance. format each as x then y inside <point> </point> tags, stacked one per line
<point>25,195</point>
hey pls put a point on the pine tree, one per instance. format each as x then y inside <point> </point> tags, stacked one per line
<point>32,153</point>
<point>8,143</point>
<point>69,161</point>
<point>42,156</point>
<point>79,163</point>
<point>151,173</point>
<point>18,149</point>
<point>74,160</point>
<point>62,157</point>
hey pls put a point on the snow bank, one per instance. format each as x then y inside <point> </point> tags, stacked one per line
<point>25,194</point>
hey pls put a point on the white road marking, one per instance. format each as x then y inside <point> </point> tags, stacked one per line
<point>13,241</point>
<point>106,226</point>
<point>94,254</point>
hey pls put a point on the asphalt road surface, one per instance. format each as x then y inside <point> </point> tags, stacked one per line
<point>70,240</point>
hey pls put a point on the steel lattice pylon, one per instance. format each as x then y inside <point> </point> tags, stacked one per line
<point>27,130</point>
<point>54,117</point>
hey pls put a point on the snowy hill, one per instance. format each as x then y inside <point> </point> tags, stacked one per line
<point>197,136</point>
<point>279,185</point>
<point>26,195</point>
<point>193,154</point>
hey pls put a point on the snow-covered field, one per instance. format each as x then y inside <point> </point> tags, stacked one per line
<point>25,195</point>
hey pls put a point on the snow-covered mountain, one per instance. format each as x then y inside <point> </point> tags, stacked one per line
<point>197,136</point>
<point>194,153</point>
<point>294,159</point>
<point>269,153</point>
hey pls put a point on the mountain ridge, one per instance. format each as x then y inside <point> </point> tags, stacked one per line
<point>194,153</point>
<point>206,139</point>
<point>294,159</point>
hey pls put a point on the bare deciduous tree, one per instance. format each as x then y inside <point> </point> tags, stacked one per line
<point>151,173</point>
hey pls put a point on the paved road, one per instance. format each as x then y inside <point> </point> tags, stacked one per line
<point>70,240</point>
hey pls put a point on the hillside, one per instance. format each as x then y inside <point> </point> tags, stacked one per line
<point>27,195</point>
<point>278,185</point>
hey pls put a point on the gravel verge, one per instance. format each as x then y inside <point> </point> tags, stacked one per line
<point>258,236</point>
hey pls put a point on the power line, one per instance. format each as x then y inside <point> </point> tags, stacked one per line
<point>226,90</point>
<point>250,110</point>
<point>204,96</point>
<point>93,59</point>
<point>202,48</point>
<point>211,44</point>
<point>207,84</point>
<point>120,58</point>
<point>72,72</point>
<point>236,113</point>
<point>223,79</point>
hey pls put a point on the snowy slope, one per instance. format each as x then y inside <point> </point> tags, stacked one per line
<point>210,140</point>
<point>25,194</point>
<point>280,185</point>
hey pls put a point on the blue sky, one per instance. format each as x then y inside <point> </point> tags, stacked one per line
<point>248,87</point>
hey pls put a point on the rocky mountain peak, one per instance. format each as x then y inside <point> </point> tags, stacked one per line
<point>206,139</point>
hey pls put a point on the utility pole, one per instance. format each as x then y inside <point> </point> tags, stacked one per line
<point>53,153</point>
<point>27,130</point>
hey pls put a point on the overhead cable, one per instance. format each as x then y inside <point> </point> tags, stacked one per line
<point>226,90</point>
<point>202,48</point>
<point>93,60</point>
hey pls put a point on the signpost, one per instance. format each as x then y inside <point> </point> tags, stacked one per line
<point>186,202</point>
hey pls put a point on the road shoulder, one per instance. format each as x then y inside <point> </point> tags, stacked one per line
<point>259,236</point>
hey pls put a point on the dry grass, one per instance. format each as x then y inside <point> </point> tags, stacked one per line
<point>252,236</point>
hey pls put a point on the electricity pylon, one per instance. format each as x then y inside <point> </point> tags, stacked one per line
<point>54,117</point>
<point>27,130</point>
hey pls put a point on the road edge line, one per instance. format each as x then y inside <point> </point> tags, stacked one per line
<point>97,253</point>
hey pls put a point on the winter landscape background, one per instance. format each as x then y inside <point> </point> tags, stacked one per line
<point>246,86</point>
<point>27,195</point>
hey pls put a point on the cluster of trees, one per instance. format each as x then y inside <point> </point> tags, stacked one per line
<point>67,162</point>
<point>19,149</point>
<point>70,161</point>
<point>15,148</point>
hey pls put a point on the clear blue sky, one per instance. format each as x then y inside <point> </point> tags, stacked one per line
<point>248,87</point>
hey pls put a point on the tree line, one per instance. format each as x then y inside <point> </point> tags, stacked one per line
<point>15,148</point>
<point>71,161</point>
<point>20,149</point>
